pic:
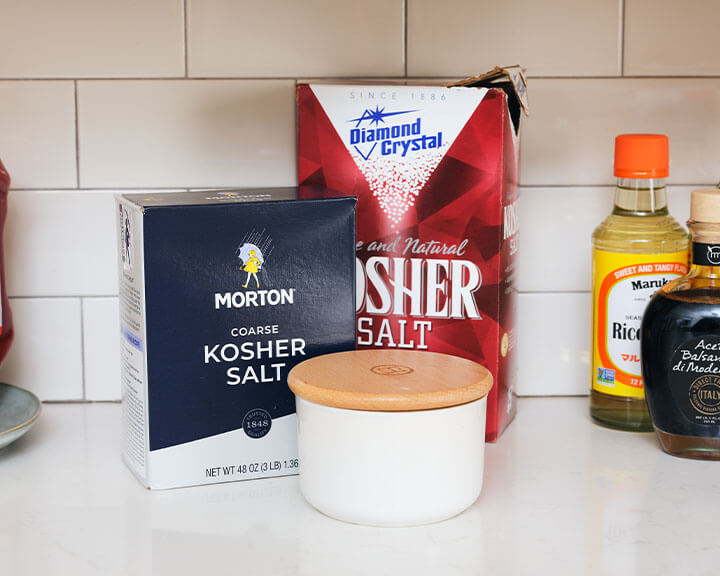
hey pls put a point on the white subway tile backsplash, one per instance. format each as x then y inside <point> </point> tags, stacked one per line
<point>679,201</point>
<point>60,243</point>
<point>670,38</point>
<point>37,132</point>
<point>106,81</point>
<point>46,356</point>
<point>556,230</point>
<point>556,226</point>
<point>570,136</point>
<point>549,38</point>
<point>290,38</point>
<point>187,133</point>
<point>554,344</point>
<point>101,339</point>
<point>85,38</point>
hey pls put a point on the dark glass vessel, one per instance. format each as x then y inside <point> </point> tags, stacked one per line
<point>680,338</point>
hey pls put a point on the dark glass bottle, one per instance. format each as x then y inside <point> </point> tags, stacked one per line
<point>680,339</point>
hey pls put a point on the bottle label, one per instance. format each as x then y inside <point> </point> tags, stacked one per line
<point>623,285</point>
<point>695,379</point>
<point>706,254</point>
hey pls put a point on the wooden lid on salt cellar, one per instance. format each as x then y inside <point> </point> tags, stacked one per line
<point>389,380</point>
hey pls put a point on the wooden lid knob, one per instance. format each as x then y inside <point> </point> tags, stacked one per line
<point>389,380</point>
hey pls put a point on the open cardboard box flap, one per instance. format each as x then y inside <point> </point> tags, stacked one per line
<point>510,79</point>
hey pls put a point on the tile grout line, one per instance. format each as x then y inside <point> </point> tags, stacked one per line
<point>70,401</point>
<point>405,36</point>
<point>552,292</point>
<point>307,78</point>
<point>77,138</point>
<point>82,348</point>
<point>118,188</point>
<point>170,189</point>
<point>622,37</point>
<point>611,185</point>
<point>63,297</point>
<point>185,36</point>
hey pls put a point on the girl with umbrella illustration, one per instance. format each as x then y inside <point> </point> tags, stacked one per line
<point>252,260</point>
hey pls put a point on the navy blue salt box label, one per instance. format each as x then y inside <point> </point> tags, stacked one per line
<point>221,294</point>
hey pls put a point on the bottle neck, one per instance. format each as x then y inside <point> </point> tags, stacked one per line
<point>705,251</point>
<point>640,197</point>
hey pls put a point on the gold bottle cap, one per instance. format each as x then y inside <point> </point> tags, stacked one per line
<point>389,380</point>
<point>705,205</point>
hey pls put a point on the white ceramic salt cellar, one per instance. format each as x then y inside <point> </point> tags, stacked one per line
<point>390,437</point>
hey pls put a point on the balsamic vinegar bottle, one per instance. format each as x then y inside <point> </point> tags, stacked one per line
<point>636,249</point>
<point>681,344</point>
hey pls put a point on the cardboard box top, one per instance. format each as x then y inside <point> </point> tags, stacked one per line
<point>210,197</point>
<point>509,79</point>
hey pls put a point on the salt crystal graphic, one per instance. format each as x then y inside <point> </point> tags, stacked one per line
<point>396,182</point>
<point>389,131</point>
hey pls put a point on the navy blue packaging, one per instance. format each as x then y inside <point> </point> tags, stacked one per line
<point>221,294</point>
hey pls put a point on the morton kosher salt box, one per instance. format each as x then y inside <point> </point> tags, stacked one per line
<point>434,169</point>
<point>221,294</point>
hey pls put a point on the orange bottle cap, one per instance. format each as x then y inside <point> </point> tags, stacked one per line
<point>641,156</point>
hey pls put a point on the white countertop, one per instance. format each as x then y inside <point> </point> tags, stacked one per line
<point>561,496</point>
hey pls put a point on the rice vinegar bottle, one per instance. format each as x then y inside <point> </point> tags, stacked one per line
<point>637,249</point>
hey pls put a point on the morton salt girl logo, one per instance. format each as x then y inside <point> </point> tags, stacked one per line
<point>252,254</point>
<point>253,250</point>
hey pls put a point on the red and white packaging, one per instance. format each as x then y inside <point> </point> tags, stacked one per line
<point>435,172</point>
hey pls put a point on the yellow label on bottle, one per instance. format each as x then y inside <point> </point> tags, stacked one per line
<point>623,285</point>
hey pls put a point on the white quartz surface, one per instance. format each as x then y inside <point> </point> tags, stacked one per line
<point>561,496</point>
